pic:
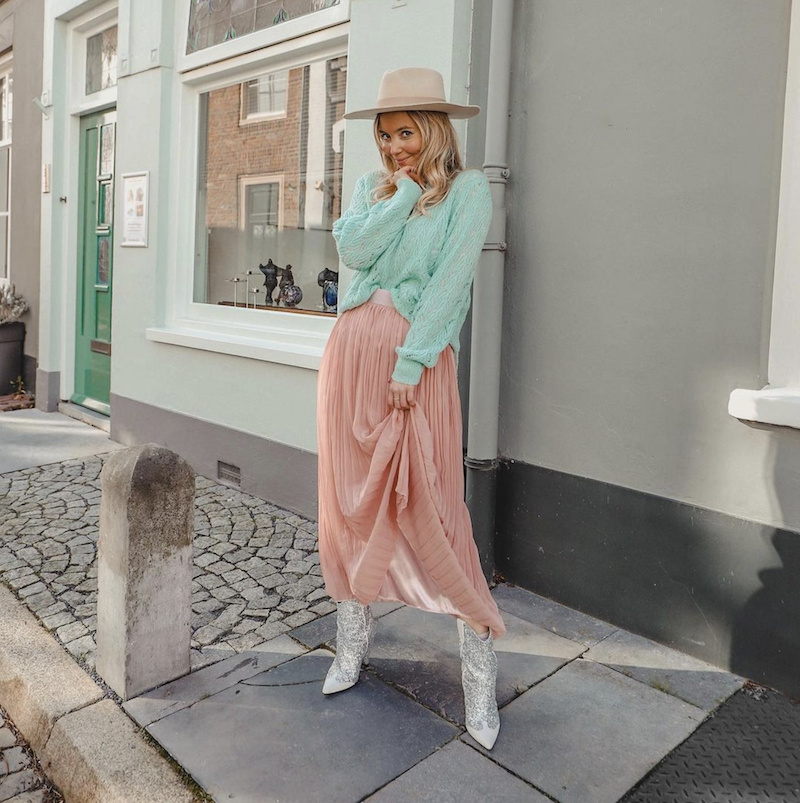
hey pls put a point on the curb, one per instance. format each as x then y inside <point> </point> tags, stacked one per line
<point>89,747</point>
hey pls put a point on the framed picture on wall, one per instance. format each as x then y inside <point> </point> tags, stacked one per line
<point>135,209</point>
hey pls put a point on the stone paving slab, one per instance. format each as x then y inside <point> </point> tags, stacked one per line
<point>418,651</point>
<point>290,742</point>
<point>552,616</point>
<point>457,774</point>
<point>667,670</point>
<point>34,438</point>
<point>589,733</point>
<point>165,700</point>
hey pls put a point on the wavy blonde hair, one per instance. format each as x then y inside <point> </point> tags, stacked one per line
<point>438,163</point>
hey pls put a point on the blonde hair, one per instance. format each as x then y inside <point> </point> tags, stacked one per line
<point>438,163</point>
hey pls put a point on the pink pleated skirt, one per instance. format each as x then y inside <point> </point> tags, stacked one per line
<point>393,524</point>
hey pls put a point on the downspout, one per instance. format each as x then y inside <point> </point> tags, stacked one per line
<point>487,300</point>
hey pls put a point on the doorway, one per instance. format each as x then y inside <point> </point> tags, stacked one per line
<point>95,262</point>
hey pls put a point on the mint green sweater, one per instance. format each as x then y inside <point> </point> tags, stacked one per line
<point>427,263</point>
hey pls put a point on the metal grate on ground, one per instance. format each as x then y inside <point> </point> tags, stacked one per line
<point>747,752</point>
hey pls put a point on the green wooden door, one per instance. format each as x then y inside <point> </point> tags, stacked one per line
<point>96,227</point>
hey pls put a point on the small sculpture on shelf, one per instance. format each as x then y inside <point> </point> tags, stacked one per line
<point>270,271</point>
<point>328,280</point>
<point>289,293</point>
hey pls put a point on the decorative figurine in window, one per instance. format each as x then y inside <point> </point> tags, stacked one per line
<point>270,271</point>
<point>289,293</point>
<point>328,280</point>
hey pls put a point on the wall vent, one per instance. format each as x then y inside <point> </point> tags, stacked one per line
<point>231,475</point>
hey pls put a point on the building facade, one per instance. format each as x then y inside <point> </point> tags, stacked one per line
<point>21,180</point>
<point>644,473</point>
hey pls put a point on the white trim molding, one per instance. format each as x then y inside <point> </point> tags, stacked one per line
<point>779,402</point>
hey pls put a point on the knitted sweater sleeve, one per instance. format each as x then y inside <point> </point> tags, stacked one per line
<point>367,229</point>
<point>445,299</point>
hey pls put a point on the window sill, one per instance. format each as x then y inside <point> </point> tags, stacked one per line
<point>303,352</point>
<point>777,406</point>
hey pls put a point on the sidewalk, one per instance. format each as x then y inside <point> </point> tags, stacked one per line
<point>587,710</point>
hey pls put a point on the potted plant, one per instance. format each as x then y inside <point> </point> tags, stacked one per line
<point>12,337</point>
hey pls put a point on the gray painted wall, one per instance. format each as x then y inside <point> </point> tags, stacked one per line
<point>21,28</point>
<point>645,157</point>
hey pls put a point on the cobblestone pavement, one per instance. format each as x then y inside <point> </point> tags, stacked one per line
<point>21,777</point>
<point>256,567</point>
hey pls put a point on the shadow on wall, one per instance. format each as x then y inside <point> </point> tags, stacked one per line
<point>767,627</point>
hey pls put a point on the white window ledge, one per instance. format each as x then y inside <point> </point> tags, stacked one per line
<point>306,354</point>
<point>778,406</point>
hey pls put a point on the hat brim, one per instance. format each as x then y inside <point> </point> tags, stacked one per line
<point>455,111</point>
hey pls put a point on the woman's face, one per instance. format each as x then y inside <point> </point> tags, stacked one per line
<point>400,138</point>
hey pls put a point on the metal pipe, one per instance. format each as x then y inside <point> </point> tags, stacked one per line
<point>487,299</point>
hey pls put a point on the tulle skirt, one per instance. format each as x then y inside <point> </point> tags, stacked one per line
<point>393,524</point>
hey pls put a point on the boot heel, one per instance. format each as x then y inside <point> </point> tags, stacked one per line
<point>372,627</point>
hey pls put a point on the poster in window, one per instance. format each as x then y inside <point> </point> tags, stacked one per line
<point>135,212</point>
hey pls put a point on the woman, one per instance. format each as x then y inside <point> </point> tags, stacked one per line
<point>393,524</point>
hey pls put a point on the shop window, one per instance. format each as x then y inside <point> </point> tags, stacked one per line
<point>212,22</point>
<point>101,60</point>
<point>268,194</point>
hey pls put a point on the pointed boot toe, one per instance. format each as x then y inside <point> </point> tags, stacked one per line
<point>484,736</point>
<point>355,628</point>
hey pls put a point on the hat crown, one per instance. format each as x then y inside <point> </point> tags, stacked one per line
<point>412,83</point>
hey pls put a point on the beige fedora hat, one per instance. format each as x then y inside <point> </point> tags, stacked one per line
<point>415,88</point>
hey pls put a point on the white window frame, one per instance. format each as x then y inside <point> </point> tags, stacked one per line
<point>249,119</point>
<point>251,181</point>
<point>778,402</point>
<point>273,336</point>
<point>101,18</point>
<point>6,70</point>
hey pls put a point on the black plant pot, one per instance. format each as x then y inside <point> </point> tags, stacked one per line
<point>12,339</point>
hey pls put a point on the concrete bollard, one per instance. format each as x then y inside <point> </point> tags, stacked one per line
<point>144,569</point>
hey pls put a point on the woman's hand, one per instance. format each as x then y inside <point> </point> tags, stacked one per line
<point>401,396</point>
<point>408,172</point>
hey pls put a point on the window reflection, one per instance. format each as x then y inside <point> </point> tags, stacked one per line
<point>101,60</point>
<point>214,21</point>
<point>269,192</point>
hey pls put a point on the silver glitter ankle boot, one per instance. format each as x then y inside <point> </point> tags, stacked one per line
<point>355,629</point>
<point>479,680</point>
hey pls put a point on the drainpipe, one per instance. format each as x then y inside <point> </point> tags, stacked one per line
<point>487,300</point>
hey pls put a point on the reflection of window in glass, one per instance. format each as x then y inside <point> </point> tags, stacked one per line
<point>6,107</point>
<point>268,194</point>
<point>101,60</point>
<point>262,209</point>
<point>215,21</point>
<point>265,97</point>
<point>5,164</point>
